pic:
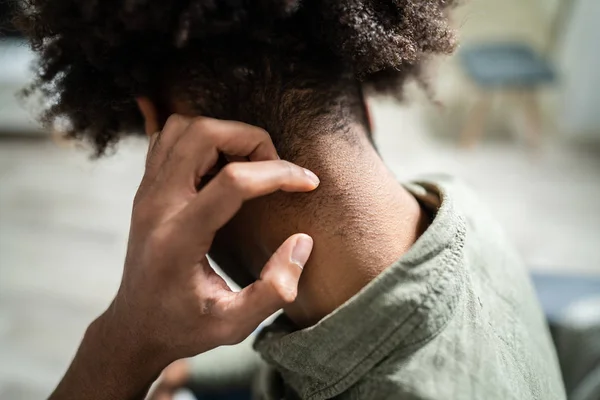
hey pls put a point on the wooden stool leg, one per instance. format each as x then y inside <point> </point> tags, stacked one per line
<point>475,124</point>
<point>533,118</point>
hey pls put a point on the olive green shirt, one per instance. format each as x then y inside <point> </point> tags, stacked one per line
<point>454,318</point>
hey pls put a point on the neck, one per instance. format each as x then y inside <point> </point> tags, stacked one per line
<point>361,220</point>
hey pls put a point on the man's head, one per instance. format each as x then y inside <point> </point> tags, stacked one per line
<point>296,68</point>
<point>272,63</point>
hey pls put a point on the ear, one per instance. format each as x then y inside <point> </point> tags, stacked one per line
<point>150,114</point>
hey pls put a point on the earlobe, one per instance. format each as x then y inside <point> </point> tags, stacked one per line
<point>150,114</point>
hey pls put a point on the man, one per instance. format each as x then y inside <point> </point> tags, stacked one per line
<point>409,292</point>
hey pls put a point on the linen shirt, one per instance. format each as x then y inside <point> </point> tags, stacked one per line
<point>454,318</point>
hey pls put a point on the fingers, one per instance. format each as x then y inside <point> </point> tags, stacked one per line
<point>188,147</point>
<point>222,197</point>
<point>176,374</point>
<point>277,286</point>
<point>230,137</point>
<point>162,394</point>
<point>198,148</point>
<point>162,142</point>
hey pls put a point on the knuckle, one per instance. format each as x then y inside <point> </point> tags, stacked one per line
<point>233,174</point>
<point>289,170</point>
<point>173,122</point>
<point>263,132</point>
<point>201,125</point>
<point>289,167</point>
<point>284,290</point>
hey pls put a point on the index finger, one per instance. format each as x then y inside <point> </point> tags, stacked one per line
<point>197,150</point>
<point>233,138</point>
<point>222,197</point>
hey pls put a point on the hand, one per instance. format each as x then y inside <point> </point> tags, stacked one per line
<point>171,304</point>
<point>170,301</point>
<point>174,377</point>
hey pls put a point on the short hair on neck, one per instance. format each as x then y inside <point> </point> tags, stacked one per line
<point>255,61</point>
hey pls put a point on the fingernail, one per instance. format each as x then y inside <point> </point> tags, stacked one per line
<point>302,250</point>
<point>312,177</point>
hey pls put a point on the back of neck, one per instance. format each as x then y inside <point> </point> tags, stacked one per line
<point>361,219</point>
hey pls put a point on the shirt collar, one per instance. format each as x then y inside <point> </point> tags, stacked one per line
<point>406,305</point>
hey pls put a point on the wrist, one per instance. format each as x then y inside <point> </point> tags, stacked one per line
<point>111,335</point>
<point>122,359</point>
<point>109,365</point>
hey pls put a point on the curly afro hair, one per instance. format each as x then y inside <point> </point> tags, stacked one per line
<point>233,59</point>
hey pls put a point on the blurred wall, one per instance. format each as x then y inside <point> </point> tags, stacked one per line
<point>16,116</point>
<point>580,66</point>
<point>477,21</point>
<point>485,20</point>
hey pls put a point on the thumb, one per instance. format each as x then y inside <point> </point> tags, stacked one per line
<point>278,283</point>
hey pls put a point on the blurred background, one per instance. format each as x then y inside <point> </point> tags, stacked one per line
<point>516,113</point>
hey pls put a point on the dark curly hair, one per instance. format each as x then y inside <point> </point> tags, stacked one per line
<point>233,59</point>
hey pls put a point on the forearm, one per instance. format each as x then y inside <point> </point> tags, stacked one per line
<point>108,366</point>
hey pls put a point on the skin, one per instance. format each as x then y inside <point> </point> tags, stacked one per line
<point>361,219</point>
<point>171,305</point>
<point>372,222</point>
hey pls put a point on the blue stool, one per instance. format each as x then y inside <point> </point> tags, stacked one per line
<point>496,67</point>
